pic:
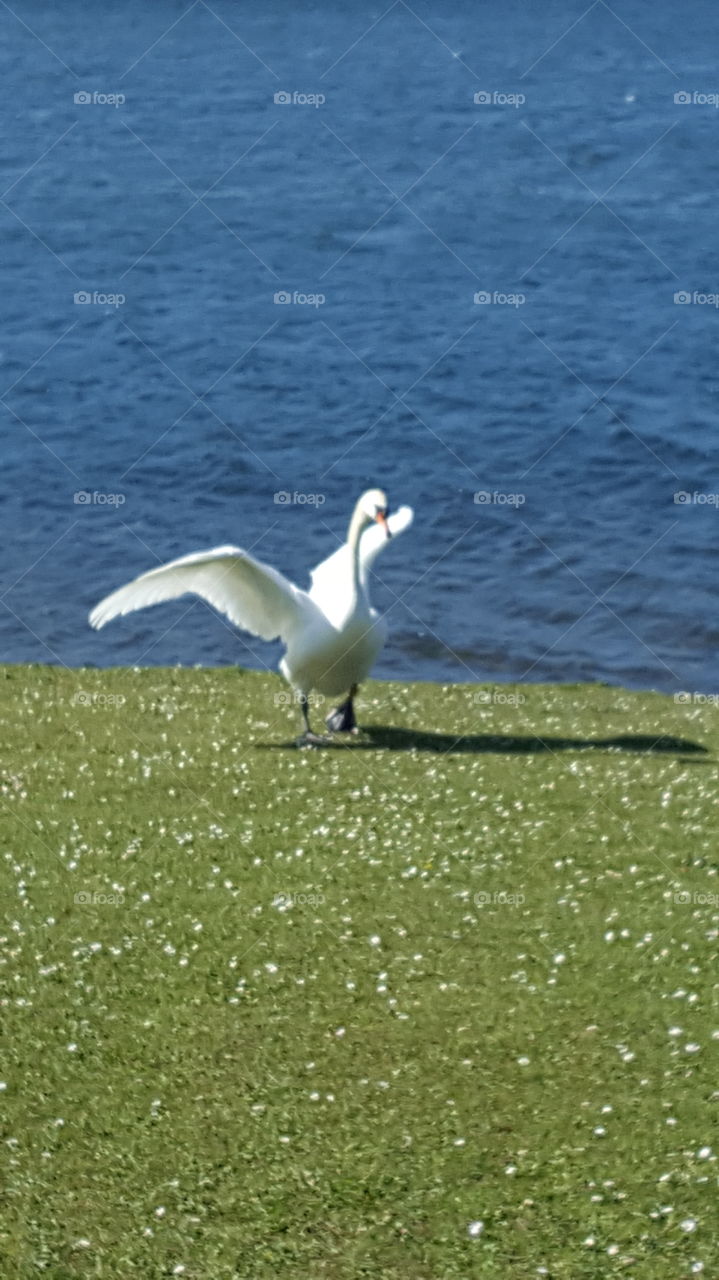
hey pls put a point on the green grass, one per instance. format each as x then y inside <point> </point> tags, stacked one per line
<point>270,1012</point>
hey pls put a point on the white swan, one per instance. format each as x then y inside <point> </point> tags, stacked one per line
<point>331,633</point>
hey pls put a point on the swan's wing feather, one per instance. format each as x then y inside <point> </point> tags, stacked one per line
<point>252,595</point>
<point>329,576</point>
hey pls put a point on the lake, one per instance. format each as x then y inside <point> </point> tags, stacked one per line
<point>464,254</point>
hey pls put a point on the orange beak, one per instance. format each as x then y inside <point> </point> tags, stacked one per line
<point>381,518</point>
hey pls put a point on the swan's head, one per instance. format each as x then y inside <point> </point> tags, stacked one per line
<point>374,506</point>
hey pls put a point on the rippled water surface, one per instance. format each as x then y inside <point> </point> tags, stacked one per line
<point>578,412</point>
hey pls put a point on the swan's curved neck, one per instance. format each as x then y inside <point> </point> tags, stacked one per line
<point>354,535</point>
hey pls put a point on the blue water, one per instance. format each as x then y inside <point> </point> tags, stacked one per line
<point>198,398</point>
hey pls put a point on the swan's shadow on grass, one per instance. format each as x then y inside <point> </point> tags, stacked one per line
<point>388,738</point>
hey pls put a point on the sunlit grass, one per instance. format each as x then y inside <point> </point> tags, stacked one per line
<point>441,1003</point>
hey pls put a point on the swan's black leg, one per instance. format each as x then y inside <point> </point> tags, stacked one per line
<point>342,719</point>
<point>308,738</point>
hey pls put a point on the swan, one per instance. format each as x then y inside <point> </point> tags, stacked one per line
<point>331,633</point>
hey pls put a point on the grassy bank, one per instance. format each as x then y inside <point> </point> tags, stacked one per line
<point>441,1004</point>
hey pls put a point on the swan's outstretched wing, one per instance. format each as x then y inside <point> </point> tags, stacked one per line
<point>329,576</point>
<point>254,596</point>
